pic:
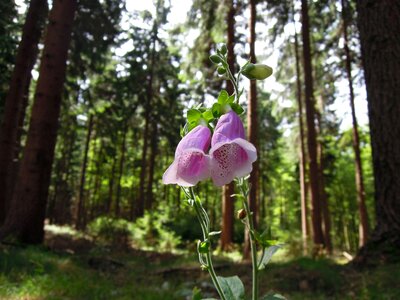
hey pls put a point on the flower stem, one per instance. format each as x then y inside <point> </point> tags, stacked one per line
<point>205,228</point>
<point>253,247</point>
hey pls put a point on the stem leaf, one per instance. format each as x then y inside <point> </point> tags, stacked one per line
<point>232,287</point>
<point>267,255</point>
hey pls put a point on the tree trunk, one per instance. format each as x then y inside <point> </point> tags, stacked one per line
<point>15,102</point>
<point>379,26</point>
<point>81,211</point>
<point>227,200</point>
<point>111,186</point>
<point>152,160</point>
<point>252,129</point>
<point>302,153</point>
<point>121,170</point>
<point>362,208</point>
<point>311,132</point>
<point>326,217</point>
<point>27,211</point>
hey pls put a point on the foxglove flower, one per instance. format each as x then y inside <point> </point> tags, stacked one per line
<point>191,163</point>
<point>231,155</point>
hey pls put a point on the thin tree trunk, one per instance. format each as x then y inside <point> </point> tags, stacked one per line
<point>252,130</point>
<point>27,211</point>
<point>111,187</point>
<point>302,153</point>
<point>311,132</point>
<point>362,208</point>
<point>15,104</point>
<point>121,171</point>
<point>81,211</point>
<point>227,200</point>
<point>152,160</point>
<point>379,26</point>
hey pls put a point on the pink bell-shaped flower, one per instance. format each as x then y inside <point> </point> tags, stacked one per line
<point>231,155</point>
<point>191,163</point>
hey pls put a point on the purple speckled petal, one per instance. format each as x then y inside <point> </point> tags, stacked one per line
<point>191,164</point>
<point>231,155</point>
<point>197,138</point>
<point>229,127</point>
<point>231,160</point>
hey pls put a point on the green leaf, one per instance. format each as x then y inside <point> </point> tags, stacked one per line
<point>208,115</point>
<point>223,97</point>
<point>193,115</point>
<point>196,295</point>
<point>273,297</point>
<point>216,110</point>
<point>232,287</point>
<point>267,255</point>
<point>237,108</point>
<point>216,59</point>
<point>231,98</point>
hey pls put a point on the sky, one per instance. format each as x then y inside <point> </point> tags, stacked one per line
<point>178,14</point>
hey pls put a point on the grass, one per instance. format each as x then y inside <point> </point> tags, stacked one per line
<point>106,273</point>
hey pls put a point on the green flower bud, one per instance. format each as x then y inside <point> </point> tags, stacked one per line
<point>223,49</point>
<point>257,71</point>
<point>215,59</point>
<point>221,70</point>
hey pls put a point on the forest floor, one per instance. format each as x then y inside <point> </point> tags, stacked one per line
<point>74,267</point>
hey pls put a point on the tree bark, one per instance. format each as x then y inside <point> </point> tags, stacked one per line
<point>15,102</point>
<point>27,212</point>
<point>152,161</point>
<point>302,153</point>
<point>362,208</point>
<point>227,201</point>
<point>311,132</point>
<point>121,170</point>
<point>379,26</point>
<point>81,211</point>
<point>252,129</point>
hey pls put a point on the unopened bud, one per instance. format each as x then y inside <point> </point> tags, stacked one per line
<point>257,71</point>
<point>221,70</point>
<point>241,214</point>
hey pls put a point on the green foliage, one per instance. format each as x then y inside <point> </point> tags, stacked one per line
<point>113,232</point>
<point>151,232</point>
<point>233,287</point>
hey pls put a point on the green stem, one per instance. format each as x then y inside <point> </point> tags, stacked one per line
<point>233,80</point>
<point>205,228</point>
<point>253,248</point>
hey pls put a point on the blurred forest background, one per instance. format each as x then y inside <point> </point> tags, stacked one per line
<point>94,93</point>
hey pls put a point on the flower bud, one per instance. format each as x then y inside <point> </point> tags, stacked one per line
<point>215,59</point>
<point>241,214</point>
<point>221,70</point>
<point>257,71</point>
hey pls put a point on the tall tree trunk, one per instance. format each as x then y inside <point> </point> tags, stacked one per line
<point>302,153</point>
<point>121,170</point>
<point>227,190</point>
<point>111,186</point>
<point>252,129</point>
<point>27,211</point>
<point>311,132</point>
<point>323,197</point>
<point>152,161</point>
<point>81,211</point>
<point>379,26</point>
<point>15,102</point>
<point>362,208</point>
